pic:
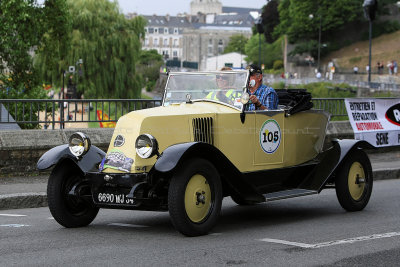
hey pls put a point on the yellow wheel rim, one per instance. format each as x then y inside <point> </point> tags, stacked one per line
<point>197,198</point>
<point>356,180</point>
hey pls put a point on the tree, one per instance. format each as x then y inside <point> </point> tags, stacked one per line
<point>236,44</point>
<point>20,32</point>
<point>301,19</point>
<point>55,41</point>
<point>270,17</point>
<point>109,46</point>
<point>23,24</point>
<point>269,52</point>
<point>148,67</point>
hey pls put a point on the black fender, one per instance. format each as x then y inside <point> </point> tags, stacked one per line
<point>88,163</point>
<point>174,155</point>
<point>330,160</point>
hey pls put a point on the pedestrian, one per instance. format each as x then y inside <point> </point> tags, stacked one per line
<point>389,66</point>
<point>355,69</point>
<point>394,63</point>
<point>367,68</point>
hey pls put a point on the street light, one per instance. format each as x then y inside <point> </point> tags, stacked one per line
<point>311,16</point>
<point>370,7</point>
<point>260,30</point>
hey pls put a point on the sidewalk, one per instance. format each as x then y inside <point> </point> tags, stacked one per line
<point>30,192</point>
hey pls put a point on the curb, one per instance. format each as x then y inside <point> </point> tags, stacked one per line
<point>37,200</point>
<point>386,174</point>
<point>23,201</point>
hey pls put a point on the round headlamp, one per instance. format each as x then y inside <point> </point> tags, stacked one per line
<point>146,146</point>
<point>79,144</point>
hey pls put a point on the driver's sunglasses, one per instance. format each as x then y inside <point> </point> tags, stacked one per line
<point>221,77</point>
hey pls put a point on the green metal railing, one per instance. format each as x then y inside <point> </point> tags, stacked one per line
<point>48,113</point>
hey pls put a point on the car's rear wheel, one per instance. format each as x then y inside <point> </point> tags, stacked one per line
<point>69,210</point>
<point>195,197</point>
<point>354,181</point>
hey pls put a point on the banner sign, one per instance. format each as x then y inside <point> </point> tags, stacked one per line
<point>376,121</point>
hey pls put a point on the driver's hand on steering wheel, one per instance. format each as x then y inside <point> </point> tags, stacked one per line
<point>254,100</point>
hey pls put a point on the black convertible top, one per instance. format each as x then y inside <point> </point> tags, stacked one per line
<point>295,100</point>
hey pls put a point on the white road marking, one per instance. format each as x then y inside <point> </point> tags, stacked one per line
<point>14,225</point>
<point>12,215</point>
<point>127,225</point>
<point>332,243</point>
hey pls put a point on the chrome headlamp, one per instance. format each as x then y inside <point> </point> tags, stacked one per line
<point>79,144</point>
<point>146,146</point>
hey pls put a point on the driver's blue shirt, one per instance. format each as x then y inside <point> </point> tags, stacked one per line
<point>267,96</point>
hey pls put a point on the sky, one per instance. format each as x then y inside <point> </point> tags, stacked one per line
<point>173,7</point>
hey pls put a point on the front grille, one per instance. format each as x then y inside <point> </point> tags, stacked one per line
<point>203,130</point>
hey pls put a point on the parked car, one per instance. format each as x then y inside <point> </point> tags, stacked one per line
<point>200,146</point>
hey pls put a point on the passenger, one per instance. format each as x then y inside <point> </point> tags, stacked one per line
<point>225,93</point>
<point>262,97</point>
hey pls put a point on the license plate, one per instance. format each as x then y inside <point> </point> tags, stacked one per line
<point>110,198</point>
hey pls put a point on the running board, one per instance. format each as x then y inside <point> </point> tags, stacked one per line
<point>288,194</point>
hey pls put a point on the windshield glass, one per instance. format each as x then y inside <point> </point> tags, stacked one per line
<point>224,86</point>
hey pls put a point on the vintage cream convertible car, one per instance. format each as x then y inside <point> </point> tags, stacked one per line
<point>200,146</point>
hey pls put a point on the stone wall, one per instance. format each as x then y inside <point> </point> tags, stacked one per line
<point>20,150</point>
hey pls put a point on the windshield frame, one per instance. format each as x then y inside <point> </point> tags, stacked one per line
<point>243,89</point>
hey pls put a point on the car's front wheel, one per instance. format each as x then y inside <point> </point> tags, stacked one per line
<point>67,209</point>
<point>354,181</point>
<point>195,197</point>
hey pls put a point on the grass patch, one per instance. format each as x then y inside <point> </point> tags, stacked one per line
<point>354,60</point>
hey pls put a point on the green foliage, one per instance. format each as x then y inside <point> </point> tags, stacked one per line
<point>109,46</point>
<point>380,28</point>
<point>269,52</point>
<point>270,17</point>
<point>55,41</point>
<point>148,67</point>
<point>278,64</point>
<point>354,60</point>
<point>330,90</point>
<point>21,30</point>
<point>21,111</point>
<point>302,19</point>
<point>279,85</point>
<point>236,43</point>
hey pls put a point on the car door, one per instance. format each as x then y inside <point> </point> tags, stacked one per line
<point>268,138</point>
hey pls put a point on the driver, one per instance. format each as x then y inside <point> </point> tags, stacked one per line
<point>262,97</point>
<point>224,81</point>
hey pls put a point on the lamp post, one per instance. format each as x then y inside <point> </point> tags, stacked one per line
<point>370,7</point>
<point>260,30</point>
<point>311,16</point>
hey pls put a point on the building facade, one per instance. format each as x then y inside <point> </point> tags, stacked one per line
<point>203,34</point>
<point>165,34</point>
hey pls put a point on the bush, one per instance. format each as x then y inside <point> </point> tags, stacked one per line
<point>20,111</point>
<point>278,64</point>
<point>278,85</point>
<point>380,28</point>
<point>329,90</point>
